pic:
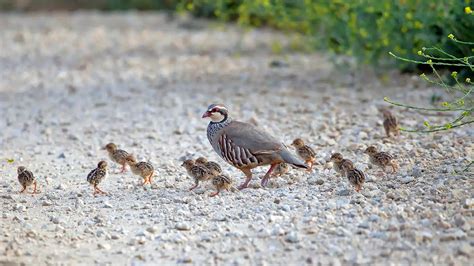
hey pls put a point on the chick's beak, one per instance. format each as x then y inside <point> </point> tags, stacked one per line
<point>206,114</point>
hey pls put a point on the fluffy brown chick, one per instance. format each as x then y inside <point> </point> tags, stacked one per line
<point>337,160</point>
<point>280,169</point>
<point>197,172</point>
<point>390,123</point>
<point>96,176</point>
<point>355,176</point>
<point>26,179</point>
<point>221,182</point>
<point>214,167</point>
<point>117,155</point>
<point>381,159</point>
<point>143,169</point>
<point>305,152</point>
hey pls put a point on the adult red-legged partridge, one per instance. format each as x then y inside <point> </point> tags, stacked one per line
<point>244,145</point>
<point>197,172</point>
<point>355,176</point>
<point>390,123</point>
<point>381,159</point>
<point>305,152</point>
<point>337,161</point>
<point>26,179</point>
<point>214,167</point>
<point>117,155</point>
<point>221,182</point>
<point>143,169</point>
<point>96,176</point>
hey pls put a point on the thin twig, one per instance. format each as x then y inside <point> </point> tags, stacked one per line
<point>437,129</point>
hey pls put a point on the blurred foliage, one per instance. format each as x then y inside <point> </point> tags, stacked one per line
<point>27,5</point>
<point>364,29</point>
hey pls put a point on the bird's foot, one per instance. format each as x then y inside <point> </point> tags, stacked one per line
<point>243,186</point>
<point>214,194</point>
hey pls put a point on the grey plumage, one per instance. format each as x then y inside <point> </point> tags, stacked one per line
<point>245,146</point>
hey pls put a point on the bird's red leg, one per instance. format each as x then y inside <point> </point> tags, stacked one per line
<point>34,188</point>
<point>123,168</point>
<point>23,190</point>
<point>248,175</point>
<point>214,193</point>
<point>310,164</point>
<point>394,169</point>
<point>149,178</point>
<point>267,175</point>
<point>100,191</point>
<point>193,187</point>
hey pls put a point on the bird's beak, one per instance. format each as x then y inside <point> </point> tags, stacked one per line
<point>103,148</point>
<point>206,114</point>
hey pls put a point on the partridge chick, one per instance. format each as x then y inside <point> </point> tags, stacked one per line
<point>97,175</point>
<point>355,176</point>
<point>220,182</point>
<point>390,123</point>
<point>280,169</point>
<point>197,172</point>
<point>143,169</point>
<point>337,161</point>
<point>117,155</point>
<point>26,179</point>
<point>381,159</point>
<point>305,152</point>
<point>214,167</point>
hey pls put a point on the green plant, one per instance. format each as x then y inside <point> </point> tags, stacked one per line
<point>461,91</point>
<point>364,29</point>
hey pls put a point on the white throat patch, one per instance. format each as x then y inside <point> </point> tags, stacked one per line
<point>216,117</point>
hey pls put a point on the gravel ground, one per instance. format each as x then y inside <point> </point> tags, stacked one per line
<point>70,83</point>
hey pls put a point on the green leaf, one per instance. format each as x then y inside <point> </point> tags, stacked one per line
<point>10,160</point>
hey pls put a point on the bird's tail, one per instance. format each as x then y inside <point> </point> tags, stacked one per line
<point>292,159</point>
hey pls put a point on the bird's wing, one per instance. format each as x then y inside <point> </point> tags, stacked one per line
<point>29,175</point>
<point>311,151</point>
<point>91,175</point>
<point>252,138</point>
<point>145,166</point>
